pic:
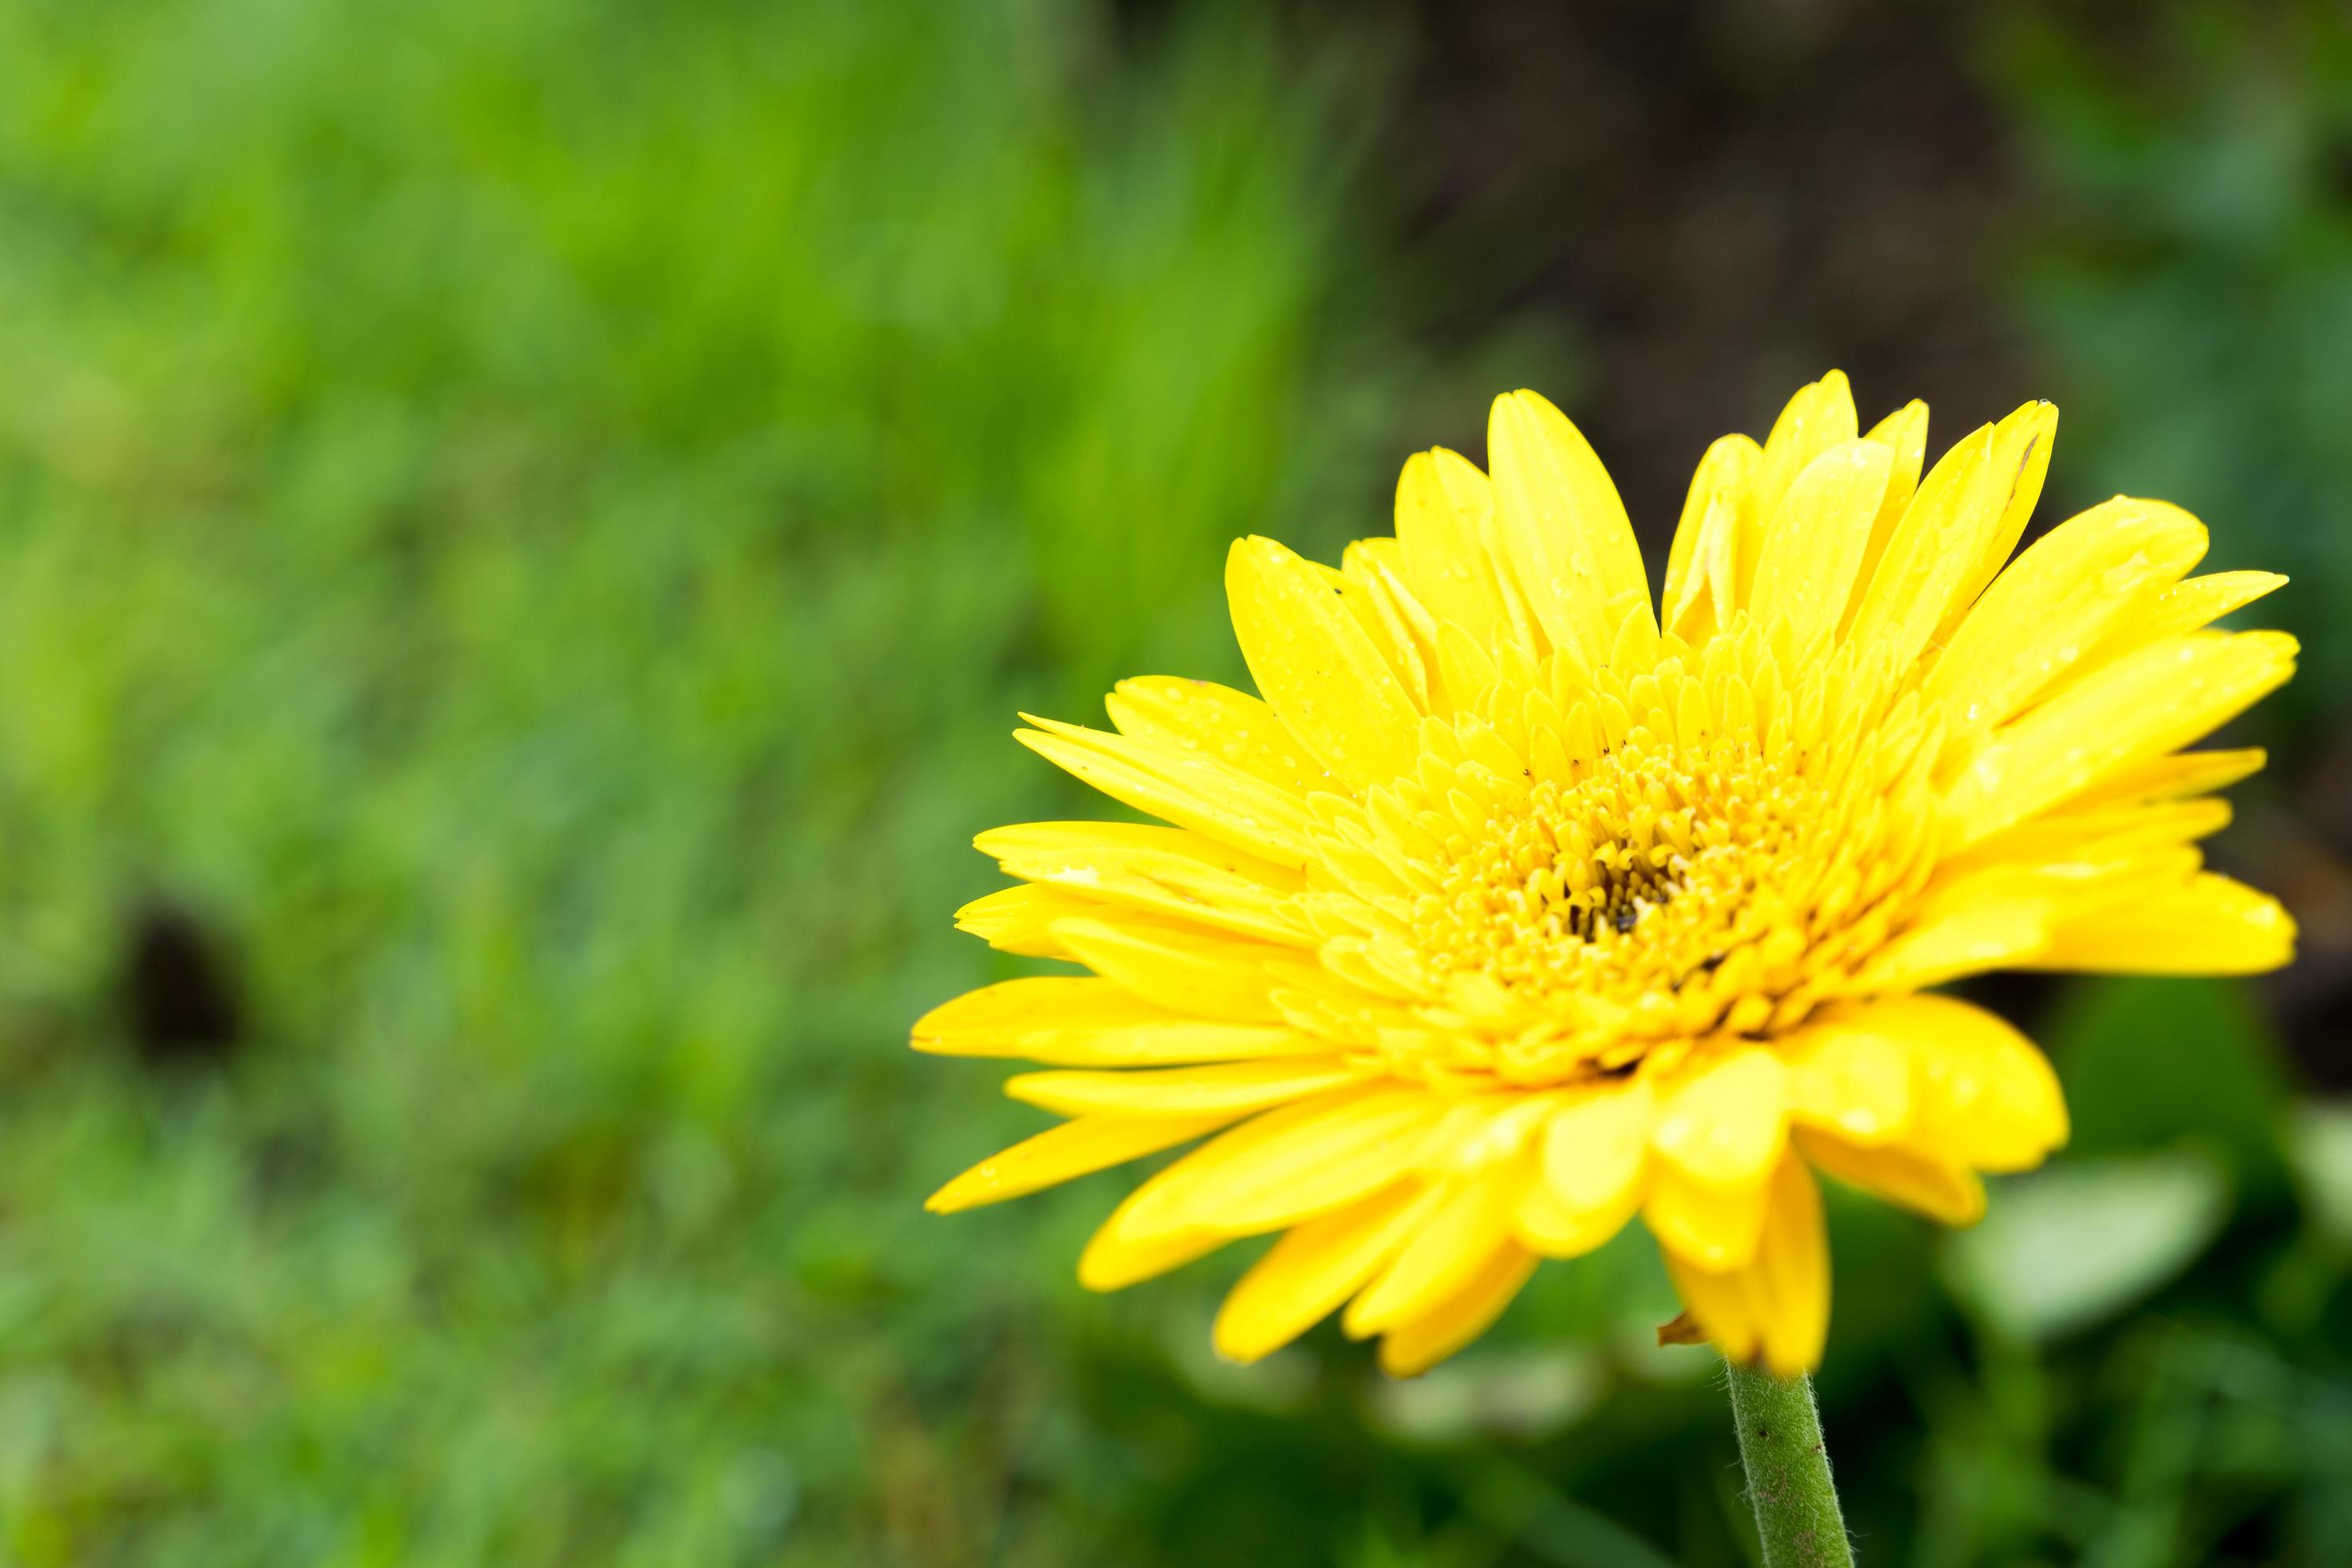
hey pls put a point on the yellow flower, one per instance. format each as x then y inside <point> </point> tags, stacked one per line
<point>1517,908</point>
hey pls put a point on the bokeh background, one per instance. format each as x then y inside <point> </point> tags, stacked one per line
<point>524,525</point>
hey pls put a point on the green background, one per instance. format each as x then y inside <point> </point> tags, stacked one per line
<point>524,526</point>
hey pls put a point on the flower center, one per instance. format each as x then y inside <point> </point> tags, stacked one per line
<point>1648,900</point>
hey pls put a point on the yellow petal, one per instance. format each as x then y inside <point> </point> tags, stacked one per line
<point>1441,503</point>
<point>1905,432</point>
<point>1987,1098</point>
<point>1713,1227</point>
<point>1487,1130</point>
<point>1183,1091</point>
<point>1232,727</point>
<point>1778,1306</point>
<point>1554,1229</point>
<point>1928,553</point>
<point>1313,1268</point>
<point>1709,529</point>
<point>1185,788</point>
<point>1291,1165</point>
<point>1715,1309</point>
<point>1174,969</point>
<point>2077,838</point>
<point>1594,1158</point>
<point>1315,665</point>
<point>1569,542</point>
<point>1049,847</point>
<point>1112,1262</point>
<point>1814,543</point>
<point>1470,1222</point>
<point>2020,460</point>
<point>1398,623</point>
<point>2143,705</point>
<point>2170,777</point>
<point>1086,1022</point>
<point>2207,925</point>
<point>1412,1348</point>
<point>1167,872</point>
<point>2184,607</point>
<point>1073,1149</point>
<point>2055,602</point>
<point>1851,1074</point>
<point>1818,418</point>
<point>1722,1122</point>
<point>1790,1281</point>
<point>1020,920</point>
<point>1915,1181</point>
<point>1967,939</point>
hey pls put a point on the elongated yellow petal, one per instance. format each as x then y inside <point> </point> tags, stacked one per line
<point>1966,940</point>
<point>1569,541</point>
<point>1314,1267</point>
<point>1183,1091</point>
<point>1776,1307</point>
<point>1594,1155</point>
<point>1790,1280</point>
<point>1048,847</point>
<point>1398,623</point>
<point>1723,1121</point>
<point>1905,432</point>
<point>2057,600</point>
<point>1949,1193</point>
<point>1467,1228</point>
<point>1112,1262</point>
<point>1818,417</point>
<point>1316,666</point>
<point>1232,727</point>
<point>1167,872</point>
<point>1086,1022</point>
<point>1716,1228</point>
<point>1551,1228</point>
<point>1850,1072</point>
<point>2170,777</point>
<point>2211,924</point>
<point>2102,834</point>
<point>1413,1347</point>
<point>1716,1312</point>
<point>2021,444</point>
<point>2143,705</point>
<point>1020,920</point>
<point>1814,543</point>
<point>1187,789</point>
<point>1928,553</point>
<point>1443,505</point>
<point>2182,608</point>
<point>1291,1165</point>
<point>1709,530</point>
<point>1073,1149</point>
<point>1987,1098</point>
<point>1175,969</point>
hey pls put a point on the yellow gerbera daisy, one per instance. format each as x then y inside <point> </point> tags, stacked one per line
<point>1516,908</point>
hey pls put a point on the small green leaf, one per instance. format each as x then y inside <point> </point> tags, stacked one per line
<point>2075,1244</point>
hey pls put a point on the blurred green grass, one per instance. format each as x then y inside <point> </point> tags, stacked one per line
<point>528,523</point>
<point>532,521</point>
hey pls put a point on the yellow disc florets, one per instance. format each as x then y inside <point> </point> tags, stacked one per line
<point>1656,880</point>
<point>1637,882</point>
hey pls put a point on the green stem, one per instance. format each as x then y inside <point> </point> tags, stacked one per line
<point>1788,1471</point>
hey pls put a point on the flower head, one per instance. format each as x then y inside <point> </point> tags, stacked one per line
<point>1515,908</point>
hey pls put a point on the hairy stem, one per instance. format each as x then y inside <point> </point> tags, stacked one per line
<point>1788,1471</point>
